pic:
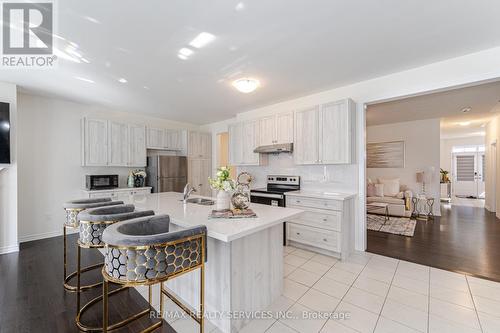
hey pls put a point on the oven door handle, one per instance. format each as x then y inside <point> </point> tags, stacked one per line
<point>266,195</point>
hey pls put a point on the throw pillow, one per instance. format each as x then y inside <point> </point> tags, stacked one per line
<point>370,190</point>
<point>379,190</point>
<point>391,186</point>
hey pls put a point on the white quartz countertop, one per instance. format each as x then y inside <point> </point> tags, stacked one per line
<point>322,195</point>
<point>226,230</point>
<point>118,189</point>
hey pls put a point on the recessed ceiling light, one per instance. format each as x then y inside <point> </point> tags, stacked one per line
<point>464,123</point>
<point>122,80</point>
<point>146,87</point>
<point>84,79</point>
<point>181,56</point>
<point>467,109</point>
<point>202,39</point>
<point>240,6</point>
<point>185,51</point>
<point>246,85</point>
<point>92,19</point>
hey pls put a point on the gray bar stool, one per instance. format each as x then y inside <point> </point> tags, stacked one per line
<point>93,222</point>
<point>143,252</point>
<point>72,209</point>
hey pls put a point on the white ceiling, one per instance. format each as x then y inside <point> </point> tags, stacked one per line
<point>484,101</point>
<point>294,47</point>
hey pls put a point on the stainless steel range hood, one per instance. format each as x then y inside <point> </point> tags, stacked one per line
<point>275,149</point>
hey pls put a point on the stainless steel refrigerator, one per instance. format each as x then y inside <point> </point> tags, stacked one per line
<point>166,173</point>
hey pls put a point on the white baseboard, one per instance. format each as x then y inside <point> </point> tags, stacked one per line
<point>9,249</point>
<point>44,235</point>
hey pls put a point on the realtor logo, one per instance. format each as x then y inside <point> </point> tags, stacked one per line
<point>27,30</point>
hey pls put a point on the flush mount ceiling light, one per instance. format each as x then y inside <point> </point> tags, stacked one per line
<point>246,85</point>
<point>202,39</point>
<point>122,80</point>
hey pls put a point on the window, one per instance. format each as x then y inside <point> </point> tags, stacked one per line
<point>465,168</point>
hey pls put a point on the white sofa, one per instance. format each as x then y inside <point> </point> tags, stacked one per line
<point>399,205</point>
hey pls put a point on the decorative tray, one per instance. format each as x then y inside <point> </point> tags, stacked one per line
<point>232,214</point>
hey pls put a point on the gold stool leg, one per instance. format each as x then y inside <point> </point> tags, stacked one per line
<point>202,298</point>
<point>104,305</point>
<point>150,298</point>
<point>78,277</point>
<point>161,300</point>
<point>64,258</point>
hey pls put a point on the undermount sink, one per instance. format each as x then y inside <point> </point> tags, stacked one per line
<point>201,201</point>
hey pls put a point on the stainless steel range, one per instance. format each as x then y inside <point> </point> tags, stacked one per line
<point>274,193</point>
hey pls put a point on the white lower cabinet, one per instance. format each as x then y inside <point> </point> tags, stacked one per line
<point>127,195</point>
<point>325,226</point>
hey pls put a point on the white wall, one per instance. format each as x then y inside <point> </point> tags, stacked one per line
<point>460,71</point>
<point>8,178</point>
<point>422,140</point>
<point>448,144</point>
<point>50,170</point>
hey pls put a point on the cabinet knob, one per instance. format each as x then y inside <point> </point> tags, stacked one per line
<point>325,240</point>
<point>298,201</point>
<point>298,233</point>
<point>324,220</point>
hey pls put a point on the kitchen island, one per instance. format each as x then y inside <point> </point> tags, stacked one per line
<point>244,270</point>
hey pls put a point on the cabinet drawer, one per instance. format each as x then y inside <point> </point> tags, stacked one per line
<point>326,239</point>
<point>102,195</point>
<point>330,220</point>
<point>313,202</point>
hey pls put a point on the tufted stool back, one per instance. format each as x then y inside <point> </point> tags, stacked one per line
<point>143,250</point>
<point>93,221</point>
<point>74,207</point>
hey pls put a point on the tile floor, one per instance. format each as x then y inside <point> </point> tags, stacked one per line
<point>378,294</point>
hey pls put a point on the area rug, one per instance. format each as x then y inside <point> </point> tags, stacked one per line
<point>396,225</point>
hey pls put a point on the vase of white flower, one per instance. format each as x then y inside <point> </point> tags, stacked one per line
<point>224,185</point>
<point>223,201</point>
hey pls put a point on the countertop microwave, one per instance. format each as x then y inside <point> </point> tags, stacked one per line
<point>101,182</point>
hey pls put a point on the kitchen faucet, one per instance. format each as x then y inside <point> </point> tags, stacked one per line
<point>188,189</point>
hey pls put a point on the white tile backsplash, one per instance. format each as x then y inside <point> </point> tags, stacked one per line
<point>313,177</point>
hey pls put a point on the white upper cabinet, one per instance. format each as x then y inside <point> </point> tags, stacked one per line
<point>267,131</point>
<point>137,144</point>
<point>284,127</point>
<point>250,142</point>
<point>325,134</point>
<point>173,139</point>
<point>165,139</point>
<point>156,137</point>
<point>236,144</point>
<point>118,144</point>
<point>200,145</point>
<point>276,129</point>
<point>111,143</point>
<point>336,132</point>
<point>243,139</point>
<point>305,149</point>
<point>95,142</point>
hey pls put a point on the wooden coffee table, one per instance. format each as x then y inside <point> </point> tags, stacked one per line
<point>377,206</point>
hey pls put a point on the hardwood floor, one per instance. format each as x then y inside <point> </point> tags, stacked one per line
<point>32,298</point>
<point>463,239</point>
